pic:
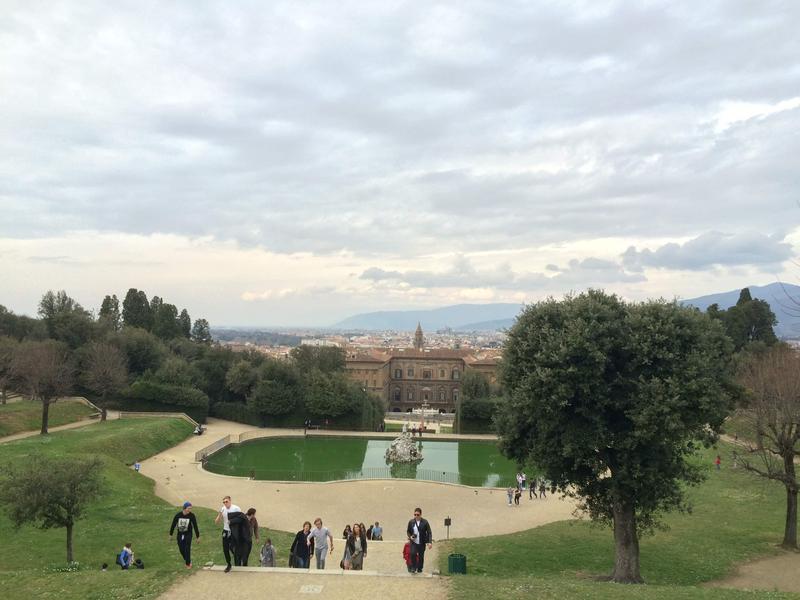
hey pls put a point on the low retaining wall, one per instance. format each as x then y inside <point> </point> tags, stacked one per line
<point>171,415</point>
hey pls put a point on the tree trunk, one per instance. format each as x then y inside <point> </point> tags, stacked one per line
<point>790,530</point>
<point>45,415</point>
<point>69,543</point>
<point>626,545</point>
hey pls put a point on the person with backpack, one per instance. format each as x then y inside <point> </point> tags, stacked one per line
<point>125,557</point>
<point>186,523</point>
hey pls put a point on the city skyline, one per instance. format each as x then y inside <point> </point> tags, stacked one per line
<point>292,165</point>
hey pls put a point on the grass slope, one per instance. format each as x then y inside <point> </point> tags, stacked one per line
<point>735,517</point>
<point>26,415</point>
<point>127,511</point>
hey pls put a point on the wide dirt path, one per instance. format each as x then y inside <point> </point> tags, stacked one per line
<point>781,573</point>
<point>474,511</point>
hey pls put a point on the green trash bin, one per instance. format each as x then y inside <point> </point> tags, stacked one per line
<point>457,564</point>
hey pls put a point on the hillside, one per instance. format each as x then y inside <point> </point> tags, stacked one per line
<point>457,317</point>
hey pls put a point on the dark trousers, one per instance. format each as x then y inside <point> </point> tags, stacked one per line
<point>227,545</point>
<point>417,557</point>
<point>247,547</point>
<point>185,546</point>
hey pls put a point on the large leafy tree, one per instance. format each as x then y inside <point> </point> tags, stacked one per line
<point>109,312</point>
<point>65,319</point>
<point>201,332</point>
<point>748,323</point>
<point>165,321</point>
<point>277,389</point>
<point>772,380</point>
<point>143,350</point>
<point>327,359</point>
<point>44,370</point>
<point>136,310</point>
<point>610,400</point>
<point>50,493</point>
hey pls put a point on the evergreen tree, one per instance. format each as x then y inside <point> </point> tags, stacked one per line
<point>201,331</point>
<point>136,310</point>
<point>109,312</point>
<point>185,324</point>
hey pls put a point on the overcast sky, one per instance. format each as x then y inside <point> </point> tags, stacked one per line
<point>279,163</point>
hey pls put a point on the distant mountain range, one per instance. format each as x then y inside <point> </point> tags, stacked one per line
<point>784,300</point>
<point>472,317</point>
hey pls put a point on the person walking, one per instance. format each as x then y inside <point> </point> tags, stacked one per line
<point>186,523</point>
<point>227,541</point>
<point>542,489</point>
<point>247,546</point>
<point>517,494</point>
<point>510,494</point>
<point>357,547</point>
<point>300,552</point>
<point>320,535</point>
<point>524,481</point>
<point>377,532</point>
<point>420,536</point>
<point>718,461</point>
<point>532,490</point>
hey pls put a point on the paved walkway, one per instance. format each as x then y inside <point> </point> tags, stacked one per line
<point>474,511</point>
<point>111,414</point>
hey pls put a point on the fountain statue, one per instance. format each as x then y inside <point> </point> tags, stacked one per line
<point>403,450</point>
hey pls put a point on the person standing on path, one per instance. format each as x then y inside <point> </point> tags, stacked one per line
<point>419,534</point>
<point>222,515</point>
<point>510,494</point>
<point>357,548</point>
<point>320,536</point>
<point>186,523</point>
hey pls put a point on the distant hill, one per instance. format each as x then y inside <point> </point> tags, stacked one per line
<point>494,325</point>
<point>783,299</point>
<point>458,316</point>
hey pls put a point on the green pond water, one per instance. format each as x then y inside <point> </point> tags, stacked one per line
<point>331,459</point>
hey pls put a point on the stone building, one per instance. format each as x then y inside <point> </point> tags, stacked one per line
<point>408,377</point>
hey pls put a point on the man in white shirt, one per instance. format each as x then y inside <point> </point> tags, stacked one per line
<point>420,536</point>
<point>222,515</point>
<point>320,535</point>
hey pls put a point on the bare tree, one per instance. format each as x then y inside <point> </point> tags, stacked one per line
<point>773,382</point>
<point>44,370</point>
<point>7,347</point>
<point>106,371</point>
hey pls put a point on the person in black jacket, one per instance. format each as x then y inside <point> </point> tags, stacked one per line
<point>300,553</point>
<point>357,548</point>
<point>241,536</point>
<point>186,522</point>
<point>419,534</point>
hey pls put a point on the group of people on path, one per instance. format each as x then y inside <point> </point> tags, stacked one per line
<point>515,493</point>
<point>240,530</point>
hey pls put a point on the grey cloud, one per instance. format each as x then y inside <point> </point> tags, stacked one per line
<point>462,125</point>
<point>710,249</point>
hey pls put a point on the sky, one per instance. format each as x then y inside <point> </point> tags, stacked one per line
<point>294,163</point>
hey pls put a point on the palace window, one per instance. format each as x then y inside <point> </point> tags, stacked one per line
<point>397,394</point>
<point>456,374</point>
<point>441,373</point>
<point>410,395</point>
<point>455,396</point>
<point>410,372</point>
<point>441,395</point>
<point>427,374</point>
<point>398,373</point>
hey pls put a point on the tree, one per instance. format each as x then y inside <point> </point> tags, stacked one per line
<point>748,322</point>
<point>772,380</point>
<point>106,371</point>
<point>8,347</point>
<point>109,312</point>
<point>610,400</point>
<point>165,321</point>
<point>330,394</point>
<point>475,386</point>
<point>50,492</point>
<point>241,378</point>
<point>276,391</point>
<point>185,324</point>
<point>201,332</point>
<point>143,350</point>
<point>327,359</point>
<point>20,326</point>
<point>45,371</point>
<point>136,310</point>
<point>65,319</point>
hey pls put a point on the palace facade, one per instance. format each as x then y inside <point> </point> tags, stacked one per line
<point>408,377</point>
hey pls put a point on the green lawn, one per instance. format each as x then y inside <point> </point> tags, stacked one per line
<point>127,511</point>
<point>26,415</point>
<point>735,517</point>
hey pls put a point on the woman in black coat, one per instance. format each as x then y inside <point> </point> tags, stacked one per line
<point>357,547</point>
<point>300,552</point>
